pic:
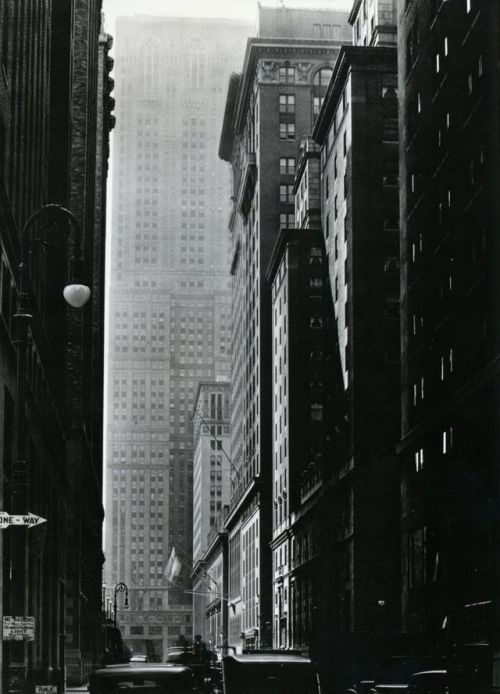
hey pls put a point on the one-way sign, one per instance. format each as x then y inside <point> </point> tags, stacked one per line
<point>7,520</point>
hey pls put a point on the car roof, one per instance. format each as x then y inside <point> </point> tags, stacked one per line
<point>244,658</point>
<point>138,668</point>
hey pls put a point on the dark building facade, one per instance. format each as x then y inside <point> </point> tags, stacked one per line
<point>357,130</point>
<point>54,128</point>
<point>449,174</point>
<point>269,108</point>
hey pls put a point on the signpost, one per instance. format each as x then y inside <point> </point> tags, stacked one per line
<point>18,628</point>
<point>7,520</point>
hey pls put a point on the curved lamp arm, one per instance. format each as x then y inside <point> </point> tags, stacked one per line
<point>75,293</point>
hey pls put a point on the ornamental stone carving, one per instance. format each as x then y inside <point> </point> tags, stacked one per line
<point>303,71</point>
<point>268,70</point>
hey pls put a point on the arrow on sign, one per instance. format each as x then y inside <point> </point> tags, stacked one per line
<point>7,520</point>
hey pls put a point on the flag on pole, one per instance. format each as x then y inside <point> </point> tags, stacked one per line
<point>173,567</point>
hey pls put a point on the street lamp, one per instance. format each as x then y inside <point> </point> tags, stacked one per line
<point>119,588</point>
<point>76,295</point>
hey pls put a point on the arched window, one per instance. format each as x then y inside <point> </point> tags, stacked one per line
<point>322,77</point>
<point>315,256</point>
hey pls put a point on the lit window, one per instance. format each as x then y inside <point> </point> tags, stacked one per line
<point>419,460</point>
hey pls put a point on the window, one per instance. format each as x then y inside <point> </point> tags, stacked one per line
<point>286,193</point>
<point>317,104</point>
<point>287,221</point>
<point>315,256</point>
<point>287,165</point>
<point>316,412</point>
<point>417,557</point>
<point>287,75</point>
<point>322,77</point>
<point>419,460</point>
<point>287,131</point>
<point>287,103</point>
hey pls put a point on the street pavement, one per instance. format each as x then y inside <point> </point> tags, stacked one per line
<point>81,688</point>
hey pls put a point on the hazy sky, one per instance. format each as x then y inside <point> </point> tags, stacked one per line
<point>233,9</point>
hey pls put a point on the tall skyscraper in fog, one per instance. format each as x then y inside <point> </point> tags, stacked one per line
<point>169,301</point>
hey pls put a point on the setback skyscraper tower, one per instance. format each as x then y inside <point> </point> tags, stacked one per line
<point>169,301</point>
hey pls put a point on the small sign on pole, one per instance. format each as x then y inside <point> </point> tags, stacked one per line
<point>18,628</point>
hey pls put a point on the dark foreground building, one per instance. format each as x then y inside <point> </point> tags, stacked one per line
<point>449,171</point>
<point>54,125</point>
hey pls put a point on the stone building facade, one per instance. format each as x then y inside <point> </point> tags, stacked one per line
<point>269,108</point>
<point>169,303</point>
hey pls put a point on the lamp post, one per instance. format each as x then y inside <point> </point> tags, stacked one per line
<point>76,296</point>
<point>119,588</point>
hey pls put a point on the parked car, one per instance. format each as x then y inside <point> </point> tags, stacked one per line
<point>269,673</point>
<point>141,678</point>
<point>429,682</point>
<point>139,658</point>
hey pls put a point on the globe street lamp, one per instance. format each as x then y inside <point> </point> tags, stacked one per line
<point>48,217</point>
<point>119,588</point>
